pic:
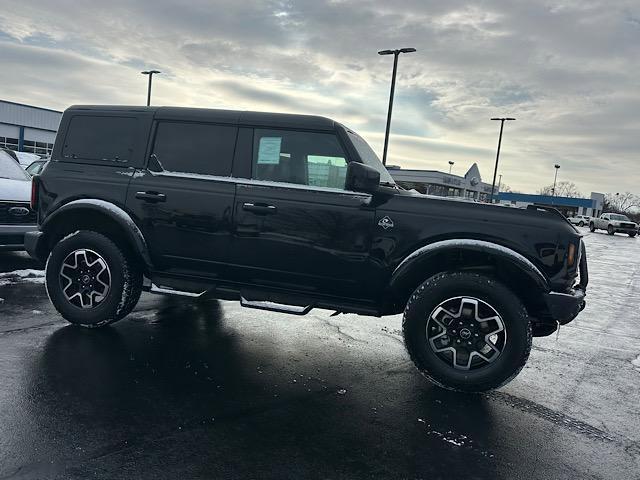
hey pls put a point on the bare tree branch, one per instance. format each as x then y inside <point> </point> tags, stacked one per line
<point>563,189</point>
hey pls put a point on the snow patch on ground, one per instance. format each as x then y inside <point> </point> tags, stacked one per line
<point>27,275</point>
<point>449,437</point>
<point>455,439</point>
<point>636,363</point>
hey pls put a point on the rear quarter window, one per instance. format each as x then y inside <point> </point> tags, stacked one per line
<point>100,138</point>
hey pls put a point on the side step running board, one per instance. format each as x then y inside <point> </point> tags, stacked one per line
<point>170,291</point>
<point>275,307</point>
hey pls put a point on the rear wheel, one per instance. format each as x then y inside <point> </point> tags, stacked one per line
<point>610,230</point>
<point>91,281</point>
<point>466,331</point>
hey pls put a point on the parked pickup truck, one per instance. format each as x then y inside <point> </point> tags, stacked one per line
<point>291,212</point>
<point>614,223</point>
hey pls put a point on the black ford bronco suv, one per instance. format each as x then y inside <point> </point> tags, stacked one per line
<point>291,212</point>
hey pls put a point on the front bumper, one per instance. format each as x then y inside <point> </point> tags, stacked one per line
<point>564,307</point>
<point>12,236</point>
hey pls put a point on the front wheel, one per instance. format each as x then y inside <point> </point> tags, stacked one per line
<point>466,331</point>
<point>91,281</point>
<point>610,230</point>
<point>632,234</point>
<point>592,227</point>
<point>581,224</point>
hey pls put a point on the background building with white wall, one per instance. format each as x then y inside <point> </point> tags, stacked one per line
<point>25,128</point>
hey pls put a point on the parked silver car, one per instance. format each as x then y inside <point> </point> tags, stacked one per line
<point>580,220</point>
<point>16,216</point>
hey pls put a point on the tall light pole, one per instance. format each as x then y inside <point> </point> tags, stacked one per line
<point>450,166</point>
<point>396,53</point>
<point>150,73</point>
<point>499,183</point>
<point>495,170</point>
<point>555,180</point>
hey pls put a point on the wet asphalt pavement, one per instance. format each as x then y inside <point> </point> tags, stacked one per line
<point>184,389</point>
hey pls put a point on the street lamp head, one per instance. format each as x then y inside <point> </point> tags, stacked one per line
<point>396,52</point>
<point>451,163</point>
<point>150,72</point>
<point>503,118</point>
<point>557,166</point>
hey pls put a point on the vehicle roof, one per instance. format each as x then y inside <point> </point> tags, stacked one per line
<point>240,117</point>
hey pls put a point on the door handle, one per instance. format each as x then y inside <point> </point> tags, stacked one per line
<point>151,196</point>
<point>260,209</point>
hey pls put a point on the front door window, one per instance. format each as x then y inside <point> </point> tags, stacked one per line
<point>303,158</point>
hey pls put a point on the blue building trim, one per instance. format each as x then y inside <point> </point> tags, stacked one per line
<point>547,200</point>
<point>21,140</point>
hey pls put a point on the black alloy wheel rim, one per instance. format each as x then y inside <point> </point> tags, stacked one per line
<point>85,278</point>
<point>466,333</point>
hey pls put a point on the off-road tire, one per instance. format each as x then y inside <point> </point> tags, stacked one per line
<point>125,273</point>
<point>592,227</point>
<point>453,284</point>
<point>610,230</point>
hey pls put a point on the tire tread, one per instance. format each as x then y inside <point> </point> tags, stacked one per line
<point>431,283</point>
<point>132,281</point>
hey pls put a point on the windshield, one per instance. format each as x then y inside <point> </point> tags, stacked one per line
<point>623,218</point>
<point>35,168</point>
<point>370,158</point>
<point>9,168</point>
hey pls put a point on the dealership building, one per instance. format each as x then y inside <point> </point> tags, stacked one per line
<point>25,128</point>
<point>471,186</point>
<point>433,182</point>
<point>568,206</point>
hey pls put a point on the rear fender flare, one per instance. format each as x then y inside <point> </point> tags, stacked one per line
<point>117,214</point>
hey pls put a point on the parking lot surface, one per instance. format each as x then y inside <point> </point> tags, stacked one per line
<point>183,389</point>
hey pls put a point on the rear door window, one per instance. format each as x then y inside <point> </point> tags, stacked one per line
<point>100,138</point>
<point>199,148</point>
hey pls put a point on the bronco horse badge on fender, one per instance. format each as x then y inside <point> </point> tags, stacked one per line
<point>386,223</point>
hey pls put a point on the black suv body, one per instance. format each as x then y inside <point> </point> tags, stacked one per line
<point>291,212</point>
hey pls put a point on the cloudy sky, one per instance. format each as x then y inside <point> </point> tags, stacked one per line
<point>568,71</point>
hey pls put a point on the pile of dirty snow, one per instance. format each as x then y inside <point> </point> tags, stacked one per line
<point>17,276</point>
<point>636,363</point>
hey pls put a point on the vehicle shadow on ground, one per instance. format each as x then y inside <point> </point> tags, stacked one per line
<point>10,261</point>
<point>179,385</point>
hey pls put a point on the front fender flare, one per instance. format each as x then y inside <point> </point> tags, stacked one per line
<point>117,214</point>
<point>423,254</point>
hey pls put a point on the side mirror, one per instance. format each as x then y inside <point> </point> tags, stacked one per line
<point>362,178</point>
